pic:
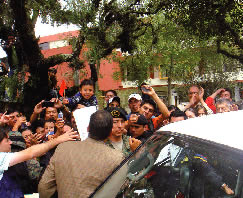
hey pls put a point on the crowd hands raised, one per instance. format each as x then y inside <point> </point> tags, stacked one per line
<point>52,122</point>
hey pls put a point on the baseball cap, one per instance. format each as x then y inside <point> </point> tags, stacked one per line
<point>136,96</point>
<point>117,112</point>
<point>115,98</point>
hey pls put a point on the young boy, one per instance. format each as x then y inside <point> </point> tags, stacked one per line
<point>49,128</point>
<point>84,98</point>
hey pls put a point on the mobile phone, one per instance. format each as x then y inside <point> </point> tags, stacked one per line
<point>60,115</point>
<point>144,89</point>
<point>47,104</point>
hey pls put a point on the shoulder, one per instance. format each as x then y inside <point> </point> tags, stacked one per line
<point>78,94</point>
<point>5,159</point>
<point>93,97</point>
<point>65,147</point>
<point>157,118</point>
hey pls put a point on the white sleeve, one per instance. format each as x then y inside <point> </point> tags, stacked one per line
<point>5,159</point>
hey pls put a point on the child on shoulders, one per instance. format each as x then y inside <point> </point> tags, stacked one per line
<point>84,98</point>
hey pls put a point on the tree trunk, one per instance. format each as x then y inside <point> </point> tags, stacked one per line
<point>170,80</point>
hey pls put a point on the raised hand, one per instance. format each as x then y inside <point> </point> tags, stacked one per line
<point>38,108</point>
<point>134,143</point>
<point>133,118</point>
<point>149,90</point>
<point>59,124</point>
<point>21,120</point>
<point>201,93</point>
<point>70,135</point>
<point>4,119</point>
<point>57,103</point>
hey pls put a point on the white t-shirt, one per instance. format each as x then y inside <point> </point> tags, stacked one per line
<point>5,159</point>
<point>117,145</point>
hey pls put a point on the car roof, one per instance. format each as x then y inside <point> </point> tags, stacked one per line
<point>223,128</point>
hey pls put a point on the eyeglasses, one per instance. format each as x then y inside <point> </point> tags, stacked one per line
<point>191,93</point>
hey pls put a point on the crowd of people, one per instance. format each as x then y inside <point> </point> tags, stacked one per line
<point>30,160</point>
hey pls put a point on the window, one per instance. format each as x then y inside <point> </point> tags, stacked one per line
<point>44,46</point>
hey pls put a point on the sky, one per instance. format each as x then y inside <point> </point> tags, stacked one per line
<point>45,30</point>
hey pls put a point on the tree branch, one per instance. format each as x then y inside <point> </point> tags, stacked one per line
<point>78,46</point>
<point>226,53</point>
<point>57,59</point>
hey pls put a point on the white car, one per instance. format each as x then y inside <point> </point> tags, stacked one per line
<point>196,158</point>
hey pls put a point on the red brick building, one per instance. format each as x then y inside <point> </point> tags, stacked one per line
<point>58,44</point>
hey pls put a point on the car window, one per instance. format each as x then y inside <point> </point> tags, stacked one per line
<point>178,166</point>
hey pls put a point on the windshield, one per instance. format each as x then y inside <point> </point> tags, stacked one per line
<point>171,166</point>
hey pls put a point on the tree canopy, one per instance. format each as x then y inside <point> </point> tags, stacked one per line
<point>109,24</point>
<point>220,19</point>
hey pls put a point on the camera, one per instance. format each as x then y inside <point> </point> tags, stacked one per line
<point>47,104</point>
<point>144,89</point>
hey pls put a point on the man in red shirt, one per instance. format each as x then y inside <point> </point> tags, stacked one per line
<point>223,93</point>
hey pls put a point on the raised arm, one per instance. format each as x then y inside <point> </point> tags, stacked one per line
<point>161,106</point>
<point>217,92</point>
<point>201,93</point>
<point>37,110</point>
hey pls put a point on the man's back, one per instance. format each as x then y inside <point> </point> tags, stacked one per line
<point>77,168</point>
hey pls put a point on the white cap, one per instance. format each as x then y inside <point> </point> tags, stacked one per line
<point>136,96</point>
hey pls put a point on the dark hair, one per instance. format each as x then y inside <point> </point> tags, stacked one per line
<point>25,129</point>
<point>36,124</point>
<point>177,114</point>
<point>113,91</point>
<point>3,135</point>
<point>50,120</point>
<point>53,121</point>
<point>198,107</point>
<point>229,90</point>
<point>190,109</point>
<point>100,125</point>
<point>87,82</point>
<point>173,107</point>
<point>67,123</point>
<point>12,110</point>
<point>149,101</point>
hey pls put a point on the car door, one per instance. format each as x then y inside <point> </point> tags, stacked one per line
<point>175,165</point>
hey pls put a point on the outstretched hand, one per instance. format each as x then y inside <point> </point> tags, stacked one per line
<point>70,135</point>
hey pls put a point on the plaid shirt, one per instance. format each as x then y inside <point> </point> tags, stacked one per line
<point>79,99</point>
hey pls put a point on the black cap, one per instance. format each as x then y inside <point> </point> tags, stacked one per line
<point>115,98</point>
<point>141,119</point>
<point>117,112</point>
